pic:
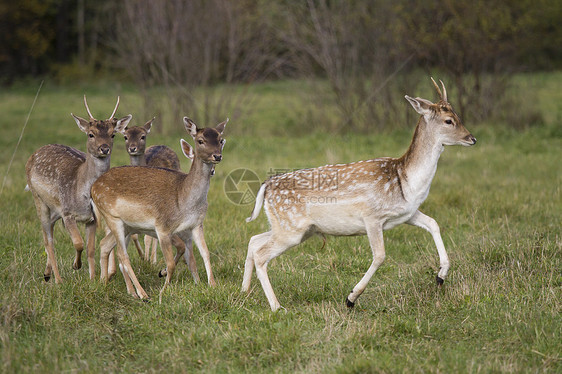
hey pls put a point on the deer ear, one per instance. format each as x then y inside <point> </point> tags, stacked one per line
<point>220,127</point>
<point>190,127</point>
<point>420,105</point>
<point>82,123</point>
<point>122,123</point>
<point>148,125</point>
<point>187,149</point>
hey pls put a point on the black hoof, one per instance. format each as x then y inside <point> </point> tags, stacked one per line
<point>160,274</point>
<point>349,303</point>
<point>439,280</point>
<point>46,277</point>
<point>76,267</point>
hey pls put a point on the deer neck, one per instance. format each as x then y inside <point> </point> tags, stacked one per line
<point>138,160</point>
<point>91,170</point>
<point>197,182</point>
<point>420,160</point>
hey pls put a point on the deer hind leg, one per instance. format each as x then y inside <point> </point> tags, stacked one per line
<point>427,223</point>
<point>374,233</point>
<point>189,257</point>
<point>154,250</point>
<point>135,239</point>
<point>180,251</point>
<point>76,238</point>
<point>51,266</point>
<point>47,226</point>
<point>91,247</point>
<point>271,247</point>
<point>128,282</point>
<point>199,238</point>
<point>106,255</point>
<point>256,242</point>
<point>121,252</point>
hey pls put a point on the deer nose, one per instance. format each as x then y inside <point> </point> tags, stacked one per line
<point>132,149</point>
<point>104,149</point>
<point>470,138</point>
<point>217,157</point>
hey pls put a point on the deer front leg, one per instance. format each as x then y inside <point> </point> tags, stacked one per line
<point>199,239</point>
<point>136,242</point>
<point>91,247</point>
<point>189,258</point>
<point>427,223</point>
<point>166,246</point>
<point>76,238</point>
<point>374,233</point>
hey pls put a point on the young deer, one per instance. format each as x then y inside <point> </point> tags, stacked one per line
<point>170,204</point>
<point>361,198</point>
<point>60,177</point>
<point>160,156</point>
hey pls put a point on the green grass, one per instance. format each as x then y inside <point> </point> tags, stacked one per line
<point>498,204</point>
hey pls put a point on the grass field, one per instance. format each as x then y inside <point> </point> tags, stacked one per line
<point>498,204</point>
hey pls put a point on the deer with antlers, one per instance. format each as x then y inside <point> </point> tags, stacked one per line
<point>170,205</point>
<point>361,198</point>
<point>59,178</point>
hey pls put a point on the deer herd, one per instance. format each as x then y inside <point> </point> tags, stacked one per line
<point>152,196</point>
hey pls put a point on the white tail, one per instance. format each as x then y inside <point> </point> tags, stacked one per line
<point>60,178</point>
<point>170,204</point>
<point>361,198</point>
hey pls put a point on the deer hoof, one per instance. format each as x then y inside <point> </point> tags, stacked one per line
<point>439,280</point>
<point>46,277</point>
<point>349,303</point>
<point>76,266</point>
<point>160,275</point>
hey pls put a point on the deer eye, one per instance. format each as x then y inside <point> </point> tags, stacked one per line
<point>112,136</point>
<point>222,141</point>
<point>448,122</point>
<point>201,141</point>
<point>125,137</point>
<point>91,135</point>
<point>143,137</point>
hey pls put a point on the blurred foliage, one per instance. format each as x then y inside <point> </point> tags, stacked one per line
<point>367,51</point>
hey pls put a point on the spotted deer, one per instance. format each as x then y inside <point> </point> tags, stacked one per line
<point>361,198</point>
<point>170,204</point>
<point>59,178</point>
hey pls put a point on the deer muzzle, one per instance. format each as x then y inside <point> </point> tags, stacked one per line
<point>470,139</point>
<point>104,150</point>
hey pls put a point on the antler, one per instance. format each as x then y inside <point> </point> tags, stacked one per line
<point>87,108</point>
<point>442,95</point>
<point>115,110</point>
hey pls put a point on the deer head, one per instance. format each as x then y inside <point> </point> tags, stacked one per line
<point>442,120</point>
<point>208,141</point>
<point>135,138</point>
<point>101,132</point>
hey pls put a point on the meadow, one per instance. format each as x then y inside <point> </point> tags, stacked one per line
<point>498,205</point>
